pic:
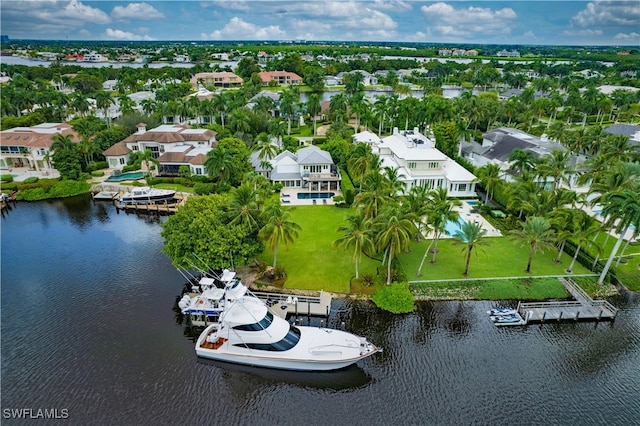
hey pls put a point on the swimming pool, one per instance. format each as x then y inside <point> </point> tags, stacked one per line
<point>472,202</point>
<point>314,195</point>
<point>452,226</point>
<point>126,176</point>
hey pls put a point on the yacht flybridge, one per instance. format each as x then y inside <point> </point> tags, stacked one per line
<point>247,332</point>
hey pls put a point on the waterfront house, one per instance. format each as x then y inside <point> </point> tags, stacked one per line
<point>632,131</point>
<point>182,144</point>
<point>216,79</point>
<point>283,78</point>
<point>498,144</point>
<point>309,168</point>
<point>419,162</point>
<point>30,147</point>
<point>368,79</point>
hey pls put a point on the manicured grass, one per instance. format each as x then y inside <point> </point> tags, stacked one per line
<point>502,258</point>
<point>311,262</point>
<point>175,186</point>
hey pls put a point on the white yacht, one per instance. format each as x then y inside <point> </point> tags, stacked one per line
<point>248,332</point>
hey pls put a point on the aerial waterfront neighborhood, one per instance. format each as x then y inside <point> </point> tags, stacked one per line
<point>320,212</point>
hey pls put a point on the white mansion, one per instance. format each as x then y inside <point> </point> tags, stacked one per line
<point>419,162</point>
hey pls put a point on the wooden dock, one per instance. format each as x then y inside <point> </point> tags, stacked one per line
<point>583,308</point>
<point>280,304</point>
<point>297,305</point>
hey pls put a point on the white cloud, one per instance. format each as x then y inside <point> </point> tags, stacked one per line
<point>582,33</point>
<point>237,29</point>
<point>627,37</point>
<point>136,11</point>
<point>608,13</point>
<point>124,35</point>
<point>33,19</point>
<point>466,22</point>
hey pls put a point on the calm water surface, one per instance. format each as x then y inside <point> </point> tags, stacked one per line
<point>88,325</point>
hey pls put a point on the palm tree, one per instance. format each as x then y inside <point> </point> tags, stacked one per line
<point>356,234</point>
<point>278,228</point>
<point>471,235</point>
<point>103,102</point>
<point>394,234</point>
<point>442,211</point>
<point>374,195</point>
<point>220,104</point>
<point>277,128</point>
<point>489,176</point>
<point>288,101</point>
<point>584,229</point>
<point>147,157</point>
<point>522,161</point>
<point>624,207</point>
<point>244,207</point>
<point>314,108</point>
<point>266,150</point>
<point>219,163</point>
<point>556,166</point>
<point>359,162</point>
<point>536,232</point>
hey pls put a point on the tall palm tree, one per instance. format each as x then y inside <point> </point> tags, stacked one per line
<point>103,102</point>
<point>288,101</point>
<point>356,234</point>
<point>555,166</point>
<point>147,158</point>
<point>624,207</point>
<point>220,104</point>
<point>394,234</point>
<point>359,162</point>
<point>584,230</point>
<point>278,229</point>
<point>442,211</point>
<point>314,108</point>
<point>536,233</point>
<point>219,163</point>
<point>266,150</point>
<point>471,235</point>
<point>375,193</point>
<point>244,207</point>
<point>489,176</point>
<point>277,128</point>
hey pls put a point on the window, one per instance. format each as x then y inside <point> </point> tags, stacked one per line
<point>462,187</point>
<point>289,341</point>
<point>434,165</point>
<point>260,325</point>
<point>411,164</point>
<point>122,162</point>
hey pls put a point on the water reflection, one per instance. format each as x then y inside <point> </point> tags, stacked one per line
<point>352,377</point>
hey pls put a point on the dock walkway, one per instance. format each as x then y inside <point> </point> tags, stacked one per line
<point>583,308</point>
<point>298,305</point>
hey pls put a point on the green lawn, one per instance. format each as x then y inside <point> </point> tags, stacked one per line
<point>502,258</point>
<point>313,264</point>
<point>311,261</point>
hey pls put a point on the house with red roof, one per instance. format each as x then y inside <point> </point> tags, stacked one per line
<point>283,78</point>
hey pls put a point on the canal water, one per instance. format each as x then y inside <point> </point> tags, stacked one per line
<point>89,326</point>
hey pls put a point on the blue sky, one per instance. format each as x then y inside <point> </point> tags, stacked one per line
<point>596,22</point>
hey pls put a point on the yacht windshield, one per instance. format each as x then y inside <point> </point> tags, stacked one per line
<point>260,325</point>
<point>289,341</point>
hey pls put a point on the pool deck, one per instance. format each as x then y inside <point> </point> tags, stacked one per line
<point>289,197</point>
<point>465,211</point>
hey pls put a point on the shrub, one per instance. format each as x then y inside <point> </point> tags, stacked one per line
<point>96,165</point>
<point>97,173</point>
<point>9,187</point>
<point>32,179</point>
<point>53,189</point>
<point>131,168</point>
<point>395,298</point>
<point>7,178</point>
<point>204,188</point>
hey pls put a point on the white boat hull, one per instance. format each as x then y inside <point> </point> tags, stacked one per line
<point>323,357</point>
